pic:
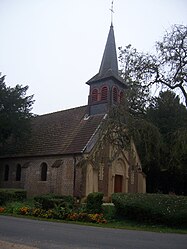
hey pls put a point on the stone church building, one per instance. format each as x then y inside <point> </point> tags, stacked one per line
<point>65,153</point>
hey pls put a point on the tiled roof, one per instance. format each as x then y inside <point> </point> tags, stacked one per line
<point>63,132</point>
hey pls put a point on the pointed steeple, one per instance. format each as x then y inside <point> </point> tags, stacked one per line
<point>109,60</point>
<point>109,63</point>
<point>106,87</point>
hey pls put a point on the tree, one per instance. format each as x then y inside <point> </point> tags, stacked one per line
<point>171,70</point>
<point>124,126</point>
<point>15,111</point>
<point>133,64</point>
<point>167,68</point>
<point>170,117</point>
<point>158,125</point>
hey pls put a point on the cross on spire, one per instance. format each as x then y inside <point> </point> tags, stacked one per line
<point>112,12</point>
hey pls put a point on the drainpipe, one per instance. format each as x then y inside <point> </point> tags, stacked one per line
<point>74,173</point>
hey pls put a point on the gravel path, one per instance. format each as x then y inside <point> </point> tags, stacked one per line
<point>8,245</point>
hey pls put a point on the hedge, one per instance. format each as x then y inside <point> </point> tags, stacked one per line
<point>153,208</point>
<point>7,195</point>
<point>49,201</point>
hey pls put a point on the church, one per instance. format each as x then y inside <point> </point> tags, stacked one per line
<point>66,154</point>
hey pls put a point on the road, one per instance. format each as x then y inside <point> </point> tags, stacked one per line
<point>54,235</point>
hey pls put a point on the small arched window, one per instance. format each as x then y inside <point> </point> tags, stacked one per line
<point>94,95</point>
<point>121,96</point>
<point>6,172</point>
<point>115,94</point>
<point>43,172</point>
<point>104,93</point>
<point>18,172</point>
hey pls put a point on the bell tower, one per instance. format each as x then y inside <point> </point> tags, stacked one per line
<point>106,87</point>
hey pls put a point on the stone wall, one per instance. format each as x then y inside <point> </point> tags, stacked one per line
<point>60,175</point>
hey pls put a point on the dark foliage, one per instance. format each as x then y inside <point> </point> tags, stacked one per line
<point>7,195</point>
<point>15,111</point>
<point>50,201</point>
<point>94,202</point>
<point>152,208</point>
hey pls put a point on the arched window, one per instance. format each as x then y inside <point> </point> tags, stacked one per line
<point>43,172</point>
<point>94,95</point>
<point>121,96</point>
<point>18,172</point>
<point>6,173</point>
<point>115,94</point>
<point>104,93</point>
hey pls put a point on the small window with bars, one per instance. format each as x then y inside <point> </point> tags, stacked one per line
<point>104,93</point>
<point>94,95</point>
<point>115,94</point>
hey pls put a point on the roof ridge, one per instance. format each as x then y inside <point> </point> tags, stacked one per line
<point>56,112</point>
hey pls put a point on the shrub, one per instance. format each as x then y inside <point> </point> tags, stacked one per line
<point>7,195</point>
<point>154,208</point>
<point>61,212</point>
<point>13,207</point>
<point>109,211</point>
<point>94,202</point>
<point>49,201</point>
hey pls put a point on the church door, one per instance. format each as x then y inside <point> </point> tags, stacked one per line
<point>118,183</point>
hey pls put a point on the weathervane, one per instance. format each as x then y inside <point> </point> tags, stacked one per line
<point>112,11</point>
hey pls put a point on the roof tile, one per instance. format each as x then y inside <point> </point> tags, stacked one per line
<point>63,132</point>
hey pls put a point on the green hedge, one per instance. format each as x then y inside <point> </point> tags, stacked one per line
<point>8,195</point>
<point>94,202</point>
<point>154,208</point>
<point>49,201</point>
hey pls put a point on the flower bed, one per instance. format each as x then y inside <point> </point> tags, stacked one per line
<point>71,216</point>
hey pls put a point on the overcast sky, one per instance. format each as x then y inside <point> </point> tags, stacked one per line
<point>55,46</point>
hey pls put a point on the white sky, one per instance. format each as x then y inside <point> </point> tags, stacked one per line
<point>55,46</point>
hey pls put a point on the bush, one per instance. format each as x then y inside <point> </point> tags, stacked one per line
<point>50,201</point>
<point>109,211</point>
<point>94,202</point>
<point>154,208</point>
<point>13,207</point>
<point>9,195</point>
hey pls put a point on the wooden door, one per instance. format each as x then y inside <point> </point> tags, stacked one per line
<point>118,183</point>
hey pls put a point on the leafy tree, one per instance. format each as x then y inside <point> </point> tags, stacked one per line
<point>170,117</point>
<point>167,113</point>
<point>167,68</point>
<point>171,69</point>
<point>158,125</point>
<point>122,126</point>
<point>15,111</point>
<point>133,64</point>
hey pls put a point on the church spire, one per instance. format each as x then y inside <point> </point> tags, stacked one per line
<point>109,61</point>
<point>106,87</point>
